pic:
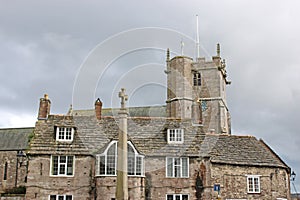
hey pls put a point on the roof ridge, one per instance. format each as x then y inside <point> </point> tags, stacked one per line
<point>7,128</point>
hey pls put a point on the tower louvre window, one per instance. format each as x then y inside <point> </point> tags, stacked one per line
<point>196,79</point>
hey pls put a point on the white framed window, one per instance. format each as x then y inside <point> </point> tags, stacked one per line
<point>253,183</point>
<point>60,197</point>
<point>62,165</point>
<point>64,134</point>
<point>177,197</point>
<point>175,136</point>
<point>177,167</point>
<point>107,162</point>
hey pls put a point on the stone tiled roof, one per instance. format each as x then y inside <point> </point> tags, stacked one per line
<point>14,138</point>
<point>149,136</point>
<point>240,150</point>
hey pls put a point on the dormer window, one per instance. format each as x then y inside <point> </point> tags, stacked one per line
<point>64,134</point>
<point>175,135</point>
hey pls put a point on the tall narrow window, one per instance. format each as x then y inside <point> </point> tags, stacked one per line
<point>253,183</point>
<point>196,79</point>
<point>5,171</point>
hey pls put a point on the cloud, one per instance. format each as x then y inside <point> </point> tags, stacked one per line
<point>44,43</point>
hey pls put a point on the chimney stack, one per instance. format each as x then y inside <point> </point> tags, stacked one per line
<point>98,108</point>
<point>44,109</point>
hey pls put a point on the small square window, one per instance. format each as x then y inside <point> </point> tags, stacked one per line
<point>175,135</point>
<point>253,183</point>
<point>64,134</point>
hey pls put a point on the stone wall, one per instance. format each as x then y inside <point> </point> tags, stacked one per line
<point>158,185</point>
<point>41,184</point>
<point>106,187</point>
<point>10,157</point>
<point>274,182</point>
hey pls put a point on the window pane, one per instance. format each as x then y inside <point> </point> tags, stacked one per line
<point>62,169</point>
<point>102,165</point>
<point>62,159</point>
<point>69,197</point>
<point>61,132</point>
<point>60,197</point>
<point>170,167</point>
<point>177,171</point>
<point>55,165</point>
<point>169,197</point>
<point>111,160</point>
<point>139,165</point>
<point>68,133</point>
<point>52,197</point>
<point>250,182</point>
<point>185,167</point>
<point>256,185</point>
<point>185,197</point>
<point>70,165</point>
<point>130,160</point>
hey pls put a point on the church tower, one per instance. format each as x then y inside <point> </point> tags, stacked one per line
<point>197,91</point>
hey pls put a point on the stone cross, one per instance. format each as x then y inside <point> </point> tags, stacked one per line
<point>123,98</point>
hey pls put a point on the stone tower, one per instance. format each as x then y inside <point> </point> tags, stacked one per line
<point>197,91</point>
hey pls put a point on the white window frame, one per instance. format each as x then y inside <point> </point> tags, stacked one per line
<point>172,166</point>
<point>61,165</point>
<point>64,131</point>
<point>175,136</point>
<point>59,195</point>
<point>256,187</point>
<point>136,157</point>
<point>176,195</point>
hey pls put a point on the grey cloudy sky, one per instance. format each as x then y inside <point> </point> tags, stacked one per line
<point>45,43</point>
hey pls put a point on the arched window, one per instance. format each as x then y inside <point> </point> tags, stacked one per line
<point>107,161</point>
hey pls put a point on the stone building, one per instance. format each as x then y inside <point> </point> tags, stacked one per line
<point>183,150</point>
<point>13,166</point>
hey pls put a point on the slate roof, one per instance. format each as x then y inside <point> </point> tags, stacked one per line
<point>14,138</point>
<point>149,136</point>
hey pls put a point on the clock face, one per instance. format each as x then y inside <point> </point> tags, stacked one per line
<point>203,106</point>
